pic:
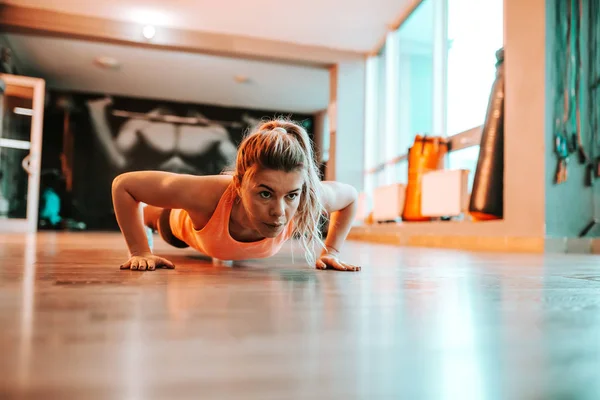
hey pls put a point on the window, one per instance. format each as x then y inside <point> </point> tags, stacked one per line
<point>475,33</point>
<point>373,134</point>
<point>405,97</point>
<point>391,136</point>
<point>381,93</point>
<point>415,80</point>
<point>376,117</point>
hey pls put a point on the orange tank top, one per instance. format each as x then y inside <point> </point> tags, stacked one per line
<point>214,239</point>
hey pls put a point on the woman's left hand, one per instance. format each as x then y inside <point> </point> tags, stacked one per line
<point>331,260</point>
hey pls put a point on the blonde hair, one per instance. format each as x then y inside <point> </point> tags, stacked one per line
<point>284,145</point>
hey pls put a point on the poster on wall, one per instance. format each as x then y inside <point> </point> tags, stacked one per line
<point>110,135</point>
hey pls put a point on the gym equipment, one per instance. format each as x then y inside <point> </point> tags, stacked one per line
<point>388,202</point>
<point>487,195</point>
<point>425,155</point>
<point>445,193</point>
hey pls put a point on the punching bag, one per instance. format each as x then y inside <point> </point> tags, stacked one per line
<point>426,154</point>
<point>487,201</point>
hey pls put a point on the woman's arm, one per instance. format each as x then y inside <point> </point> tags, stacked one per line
<point>159,189</point>
<point>339,200</point>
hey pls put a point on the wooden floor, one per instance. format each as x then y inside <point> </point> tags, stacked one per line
<point>413,324</point>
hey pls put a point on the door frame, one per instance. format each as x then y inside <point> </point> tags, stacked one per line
<point>30,223</point>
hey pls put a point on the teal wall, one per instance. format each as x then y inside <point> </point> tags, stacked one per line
<point>572,204</point>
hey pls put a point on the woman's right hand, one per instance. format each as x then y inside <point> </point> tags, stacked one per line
<point>147,262</point>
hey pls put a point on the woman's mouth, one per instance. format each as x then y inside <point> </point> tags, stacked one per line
<point>274,227</point>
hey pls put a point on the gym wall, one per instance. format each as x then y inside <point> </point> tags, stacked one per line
<point>103,136</point>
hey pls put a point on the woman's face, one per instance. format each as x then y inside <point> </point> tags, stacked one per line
<point>271,199</point>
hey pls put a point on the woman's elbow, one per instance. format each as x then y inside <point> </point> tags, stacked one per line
<point>349,198</point>
<point>353,194</point>
<point>121,182</point>
<point>118,182</point>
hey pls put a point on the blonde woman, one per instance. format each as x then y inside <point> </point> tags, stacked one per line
<point>273,194</point>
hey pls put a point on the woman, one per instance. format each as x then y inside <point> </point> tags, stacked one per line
<point>273,193</point>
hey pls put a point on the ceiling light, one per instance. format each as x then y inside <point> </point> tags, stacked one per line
<point>15,144</point>
<point>23,111</point>
<point>107,62</point>
<point>149,31</point>
<point>241,79</point>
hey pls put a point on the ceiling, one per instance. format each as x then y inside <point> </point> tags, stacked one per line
<point>171,74</point>
<point>342,24</point>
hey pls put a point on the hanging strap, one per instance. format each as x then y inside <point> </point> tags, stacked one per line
<point>568,129</point>
<point>562,44</point>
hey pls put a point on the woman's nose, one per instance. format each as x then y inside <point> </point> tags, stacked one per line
<point>278,209</point>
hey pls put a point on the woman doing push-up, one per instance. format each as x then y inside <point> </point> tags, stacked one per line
<point>273,194</point>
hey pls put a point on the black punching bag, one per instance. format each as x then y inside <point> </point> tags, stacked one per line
<point>486,201</point>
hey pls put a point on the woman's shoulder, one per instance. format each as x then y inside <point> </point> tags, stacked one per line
<point>210,190</point>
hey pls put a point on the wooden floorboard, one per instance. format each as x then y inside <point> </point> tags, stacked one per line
<point>415,323</point>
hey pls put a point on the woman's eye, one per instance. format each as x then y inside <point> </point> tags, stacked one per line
<point>265,195</point>
<point>292,196</point>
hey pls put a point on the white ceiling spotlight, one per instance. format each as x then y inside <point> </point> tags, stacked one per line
<point>149,31</point>
<point>23,111</point>
<point>241,79</point>
<point>107,63</point>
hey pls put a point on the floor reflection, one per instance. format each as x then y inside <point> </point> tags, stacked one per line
<point>27,309</point>
<point>414,323</point>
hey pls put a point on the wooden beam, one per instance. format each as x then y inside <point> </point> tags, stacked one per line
<point>18,19</point>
